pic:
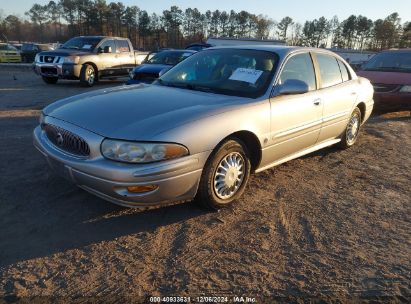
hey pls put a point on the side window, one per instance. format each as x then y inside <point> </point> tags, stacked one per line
<point>122,46</point>
<point>299,67</point>
<point>109,42</point>
<point>344,71</point>
<point>329,70</point>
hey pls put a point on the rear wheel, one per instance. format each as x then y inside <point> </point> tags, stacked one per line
<point>50,80</point>
<point>225,175</point>
<point>352,130</point>
<point>88,76</point>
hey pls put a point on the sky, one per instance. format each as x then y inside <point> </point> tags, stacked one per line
<point>298,10</point>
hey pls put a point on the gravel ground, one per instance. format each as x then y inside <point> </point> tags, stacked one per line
<point>333,224</point>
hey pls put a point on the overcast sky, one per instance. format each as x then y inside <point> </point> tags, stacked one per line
<point>298,10</point>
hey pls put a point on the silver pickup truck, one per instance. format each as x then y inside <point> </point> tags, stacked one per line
<point>88,58</point>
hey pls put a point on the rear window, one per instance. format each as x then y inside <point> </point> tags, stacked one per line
<point>344,71</point>
<point>122,46</point>
<point>329,70</point>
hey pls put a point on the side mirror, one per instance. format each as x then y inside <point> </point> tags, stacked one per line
<point>293,86</point>
<point>163,71</point>
<point>107,49</point>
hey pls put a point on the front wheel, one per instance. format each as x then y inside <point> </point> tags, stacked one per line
<point>225,175</point>
<point>50,80</point>
<point>88,76</point>
<point>352,130</point>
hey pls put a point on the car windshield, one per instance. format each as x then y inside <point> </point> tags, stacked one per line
<point>169,58</point>
<point>82,43</point>
<point>390,62</point>
<point>7,47</point>
<point>236,72</point>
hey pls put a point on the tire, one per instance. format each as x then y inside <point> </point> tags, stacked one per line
<point>50,80</point>
<point>227,190</point>
<point>349,138</point>
<point>88,76</point>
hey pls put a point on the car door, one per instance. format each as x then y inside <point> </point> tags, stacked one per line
<point>295,118</point>
<point>338,94</point>
<point>108,63</point>
<point>125,55</point>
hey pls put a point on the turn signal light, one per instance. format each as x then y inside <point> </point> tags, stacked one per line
<point>141,189</point>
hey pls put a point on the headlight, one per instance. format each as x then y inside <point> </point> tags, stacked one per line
<point>71,59</point>
<point>37,58</point>
<point>135,152</point>
<point>406,89</point>
<point>131,74</point>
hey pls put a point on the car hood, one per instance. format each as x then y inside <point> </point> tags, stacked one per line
<point>386,77</point>
<point>151,68</point>
<point>64,52</point>
<point>140,111</point>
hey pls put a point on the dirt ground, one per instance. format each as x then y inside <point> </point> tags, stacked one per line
<point>334,224</point>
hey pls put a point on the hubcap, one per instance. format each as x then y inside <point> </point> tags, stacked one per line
<point>352,129</point>
<point>90,74</point>
<point>229,175</point>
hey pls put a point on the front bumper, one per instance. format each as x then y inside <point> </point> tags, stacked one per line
<point>59,70</point>
<point>177,179</point>
<point>10,58</point>
<point>394,101</point>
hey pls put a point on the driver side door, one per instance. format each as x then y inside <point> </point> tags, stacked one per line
<point>295,118</point>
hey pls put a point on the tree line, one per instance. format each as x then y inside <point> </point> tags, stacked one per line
<point>60,20</point>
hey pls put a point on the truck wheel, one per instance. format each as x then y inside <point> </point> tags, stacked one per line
<point>225,175</point>
<point>88,76</point>
<point>50,80</point>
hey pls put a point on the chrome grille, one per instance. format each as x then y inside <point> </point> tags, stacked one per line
<point>385,88</point>
<point>66,141</point>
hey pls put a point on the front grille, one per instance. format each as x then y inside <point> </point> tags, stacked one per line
<point>49,70</point>
<point>66,141</point>
<point>49,59</point>
<point>385,88</point>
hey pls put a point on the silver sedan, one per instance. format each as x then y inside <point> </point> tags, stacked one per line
<point>205,125</point>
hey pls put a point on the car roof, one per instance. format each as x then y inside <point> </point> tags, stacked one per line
<point>281,50</point>
<point>177,51</point>
<point>397,51</point>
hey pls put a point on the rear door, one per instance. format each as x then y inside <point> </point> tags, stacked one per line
<point>126,55</point>
<point>338,94</point>
<point>295,119</point>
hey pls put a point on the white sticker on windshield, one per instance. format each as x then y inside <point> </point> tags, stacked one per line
<point>247,75</point>
<point>87,46</point>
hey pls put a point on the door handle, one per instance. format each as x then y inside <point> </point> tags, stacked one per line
<point>317,102</point>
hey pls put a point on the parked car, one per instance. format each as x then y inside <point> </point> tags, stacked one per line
<point>17,46</point>
<point>88,59</point>
<point>29,50</point>
<point>162,61</point>
<point>390,74</point>
<point>9,53</point>
<point>205,125</point>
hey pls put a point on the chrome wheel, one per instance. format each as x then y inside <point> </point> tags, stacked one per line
<point>352,129</point>
<point>229,175</point>
<point>90,76</point>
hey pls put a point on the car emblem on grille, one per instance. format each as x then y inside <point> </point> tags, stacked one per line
<point>59,139</point>
<point>49,59</point>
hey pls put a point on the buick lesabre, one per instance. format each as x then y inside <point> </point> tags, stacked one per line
<point>204,126</point>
